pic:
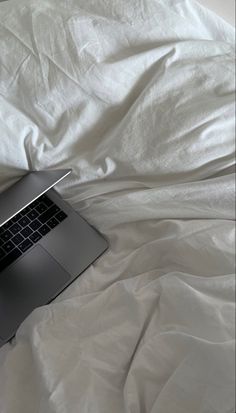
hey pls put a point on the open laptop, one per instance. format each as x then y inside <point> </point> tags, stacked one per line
<point>44,246</point>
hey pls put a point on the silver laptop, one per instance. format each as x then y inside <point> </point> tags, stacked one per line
<point>44,246</point>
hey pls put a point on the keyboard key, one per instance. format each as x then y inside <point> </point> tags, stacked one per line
<point>2,253</point>
<point>17,217</point>
<point>26,210</point>
<point>7,225</point>
<point>48,214</point>
<point>53,222</point>
<point>15,228</point>
<point>41,208</point>
<point>61,216</point>
<point>35,225</point>
<point>35,237</point>
<point>24,221</point>
<point>44,230</point>
<point>10,258</point>
<point>6,236</point>
<point>30,223</point>
<point>34,204</point>
<point>8,246</point>
<point>25,245</point>
<point>17,239</point>
<point>26,232</point>
<point>32,214</point>
<point>46,200</point>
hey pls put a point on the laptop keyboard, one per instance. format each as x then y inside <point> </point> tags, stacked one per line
<point>27,227</point>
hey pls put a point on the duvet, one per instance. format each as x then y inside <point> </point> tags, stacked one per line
<point>137,97</point>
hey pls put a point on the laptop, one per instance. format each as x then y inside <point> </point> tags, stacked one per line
<point>44,246</point>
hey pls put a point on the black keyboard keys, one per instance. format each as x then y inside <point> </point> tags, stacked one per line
<point>35,225</point>
<point>6,236</point>
<point>25,245</point>
<point>27,227</point>
<point>44,230</point>
<point>24,221</point>
<point>46,200</point>
<point>25,210</point>
<point>10,258</point>
<point>61,216</point>
<point>7,224</point>
<point>32,214</point>
<point>41,208</point>
<point>2,253</point>
<point>15,228</point>
<point>35,237</point>
<point>35,203</point>
<point>8,246</point>
<point>17,239</point>
<point>49,214</point>
<point>17,217</point>
<point>26,232</point>
<point>53,222</point>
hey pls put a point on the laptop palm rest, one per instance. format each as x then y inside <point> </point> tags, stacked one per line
<point>29,283</point>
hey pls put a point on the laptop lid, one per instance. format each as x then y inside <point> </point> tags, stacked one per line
<point>26,190</point>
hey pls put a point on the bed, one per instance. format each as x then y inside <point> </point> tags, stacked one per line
<point>137,97</point>
<point>224,9</point>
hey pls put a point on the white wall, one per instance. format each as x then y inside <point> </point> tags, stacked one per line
<point>225,8</point>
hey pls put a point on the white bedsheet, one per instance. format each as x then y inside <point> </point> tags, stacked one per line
<point>137,97</point>
<point>224,9</point>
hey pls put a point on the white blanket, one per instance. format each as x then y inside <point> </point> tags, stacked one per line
<point>137,97</point>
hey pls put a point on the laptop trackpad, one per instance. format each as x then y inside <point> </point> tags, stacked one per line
<point>31,282</point>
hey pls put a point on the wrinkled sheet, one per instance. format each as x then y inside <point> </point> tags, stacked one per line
<point>137,97</point>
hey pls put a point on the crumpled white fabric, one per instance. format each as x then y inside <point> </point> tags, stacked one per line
<point>138,98</point>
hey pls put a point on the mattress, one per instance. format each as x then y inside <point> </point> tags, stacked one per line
<point>137,97</point>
